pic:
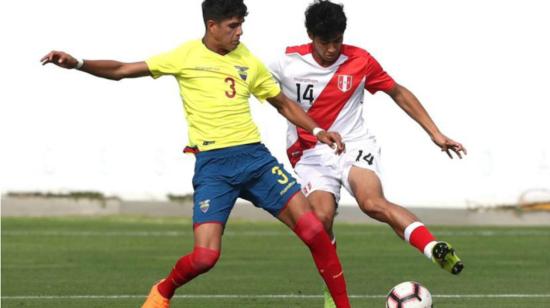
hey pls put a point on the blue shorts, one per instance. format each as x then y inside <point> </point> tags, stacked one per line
<point>247,171</point>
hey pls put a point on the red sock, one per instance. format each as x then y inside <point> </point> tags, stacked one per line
<point>310,230</point>
<point>418,235</point>
<point>201,260</point>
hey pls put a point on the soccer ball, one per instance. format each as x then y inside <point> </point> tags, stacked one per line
<point>409,294</point>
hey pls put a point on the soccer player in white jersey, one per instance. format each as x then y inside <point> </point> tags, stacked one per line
<point>328,79</point>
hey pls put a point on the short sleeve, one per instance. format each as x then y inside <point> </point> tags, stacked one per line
<point>264,85</point>
<point>275,68</point>
<point>376,78</point>
<point>168,63</point>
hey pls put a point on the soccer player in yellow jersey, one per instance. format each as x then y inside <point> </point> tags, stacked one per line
<point>216,76</point>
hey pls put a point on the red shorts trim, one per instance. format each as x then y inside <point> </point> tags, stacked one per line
<point>195,225</point>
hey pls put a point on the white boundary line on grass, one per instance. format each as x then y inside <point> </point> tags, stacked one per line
<point>483,233</point>
<point>266,296</point>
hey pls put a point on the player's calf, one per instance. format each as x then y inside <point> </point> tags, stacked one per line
<point>420,237</point>
<point>310,230</point>
<point>200,261</point>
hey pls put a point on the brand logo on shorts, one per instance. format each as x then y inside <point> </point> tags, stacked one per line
<point>344,82</point>
<point>204,205</point>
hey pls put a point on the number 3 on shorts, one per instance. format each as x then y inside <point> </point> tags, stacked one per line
<point>277,170</point>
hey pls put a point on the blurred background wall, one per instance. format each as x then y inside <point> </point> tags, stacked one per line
<point>479,67</point>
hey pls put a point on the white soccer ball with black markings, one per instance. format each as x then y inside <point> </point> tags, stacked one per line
<point>409,294</point>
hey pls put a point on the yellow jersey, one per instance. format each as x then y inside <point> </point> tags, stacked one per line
<point>215,90</point>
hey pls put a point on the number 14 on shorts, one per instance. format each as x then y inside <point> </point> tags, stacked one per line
<point>368,157</point>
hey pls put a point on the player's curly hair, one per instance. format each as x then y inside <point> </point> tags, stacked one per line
<point>219,10</point>
<point>325,19</point>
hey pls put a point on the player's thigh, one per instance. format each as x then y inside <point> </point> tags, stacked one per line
<point>365,184</point>
<point>213,202</point>
<point>361,168</point>
<point>209,235</point>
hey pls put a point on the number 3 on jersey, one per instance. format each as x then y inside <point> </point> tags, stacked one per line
<point>231,82</point>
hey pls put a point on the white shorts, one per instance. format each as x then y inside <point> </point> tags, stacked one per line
<point>321,169</point>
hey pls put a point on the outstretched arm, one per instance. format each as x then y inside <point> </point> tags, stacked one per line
<point>109,69</point>
<point>412,106</point>
<point>297,116</point>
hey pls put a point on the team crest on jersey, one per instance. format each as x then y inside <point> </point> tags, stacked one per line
<point>242,70</point>
<point>204,205</point>
<point>344,82</point>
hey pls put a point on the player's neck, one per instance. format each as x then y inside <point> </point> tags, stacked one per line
<point>321,61</point>
<point>213,46</point>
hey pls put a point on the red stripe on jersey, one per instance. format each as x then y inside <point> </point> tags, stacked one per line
<point>331,100</point>
<point>302,49</point>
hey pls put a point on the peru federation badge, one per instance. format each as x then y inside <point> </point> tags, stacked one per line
<point>344,82</point>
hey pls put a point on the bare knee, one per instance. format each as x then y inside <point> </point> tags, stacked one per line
<point>377,208</point>
<point>326,218</point>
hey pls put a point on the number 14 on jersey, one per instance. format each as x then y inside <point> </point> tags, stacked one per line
<point>306,95</point>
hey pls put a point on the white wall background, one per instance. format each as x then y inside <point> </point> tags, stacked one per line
<point>479,67</point>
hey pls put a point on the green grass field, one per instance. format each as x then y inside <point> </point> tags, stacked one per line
<point>112,262</point>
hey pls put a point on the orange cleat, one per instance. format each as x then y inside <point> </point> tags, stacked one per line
<point>155,299</point>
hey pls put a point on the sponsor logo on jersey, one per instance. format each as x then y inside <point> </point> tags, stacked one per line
<point>344,82</point>
<point>204,205</point>
<point>205,143</point>
<point>242,70</point>
<point>306,80</point>
<point>207,68</point>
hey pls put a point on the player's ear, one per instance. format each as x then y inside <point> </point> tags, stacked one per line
<point>210,25</point>
<point>310,35</point>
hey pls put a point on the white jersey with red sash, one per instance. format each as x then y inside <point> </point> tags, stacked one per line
<point>332,96</point>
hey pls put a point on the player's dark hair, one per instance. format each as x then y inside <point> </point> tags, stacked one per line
<point>218,10</point>
<point>325,19</point>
